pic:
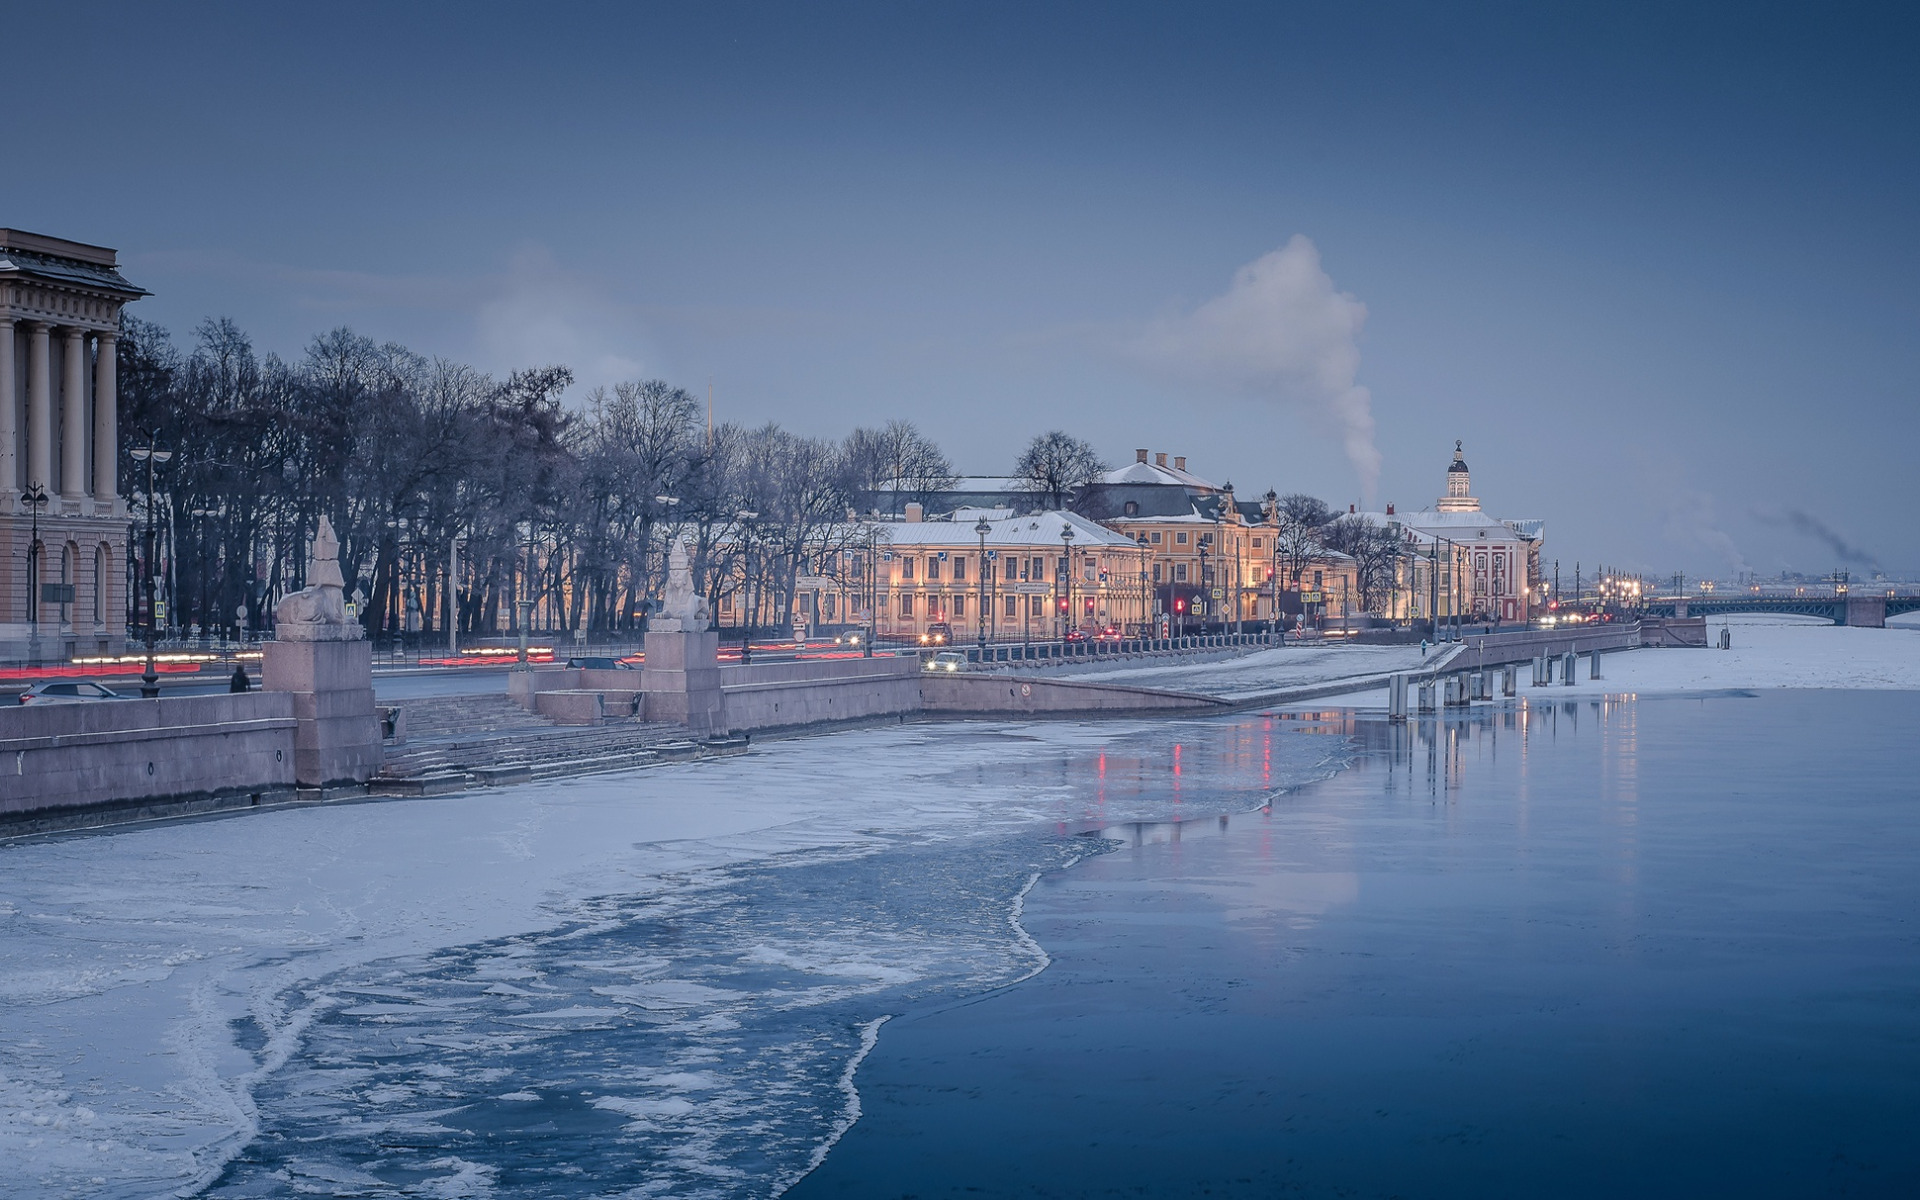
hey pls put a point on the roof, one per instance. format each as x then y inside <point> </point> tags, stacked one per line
<point>1154,473</point>
<point>1034,529</point>
<point>36,256</point>
<point>1462,526</point>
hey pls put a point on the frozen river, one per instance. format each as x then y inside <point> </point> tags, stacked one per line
<point>1593,945</point>
<point>654,981</point>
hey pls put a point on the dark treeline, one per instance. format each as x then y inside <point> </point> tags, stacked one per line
<point>437,475</point>
<point>430,469</point>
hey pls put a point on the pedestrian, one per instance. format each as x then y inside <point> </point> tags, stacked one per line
<point>1423,648</point>
<point>239,682</point>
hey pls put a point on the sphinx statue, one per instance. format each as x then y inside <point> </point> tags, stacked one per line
<point>318,612</point>
<point>683,610</point>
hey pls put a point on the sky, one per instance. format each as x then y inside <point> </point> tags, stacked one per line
<point>1655,265</point>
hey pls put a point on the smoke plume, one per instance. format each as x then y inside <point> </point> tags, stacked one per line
<point>1803,522</point>
<point>1283,332</point>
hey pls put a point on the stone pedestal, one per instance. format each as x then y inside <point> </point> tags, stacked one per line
<point>337,739</point>
<point>681,679</point>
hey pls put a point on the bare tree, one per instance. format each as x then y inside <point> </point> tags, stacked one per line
<point>1374,551</point>
<point>1301,518</point>
<point>1055,467</point>
<point>897,461</point>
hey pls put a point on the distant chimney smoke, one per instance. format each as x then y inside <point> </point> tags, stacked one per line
<point>1160,459</point>
<point>1179,462</point>
<point>1139,456</point>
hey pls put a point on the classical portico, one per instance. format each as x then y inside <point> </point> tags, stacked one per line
<point>59,320</point>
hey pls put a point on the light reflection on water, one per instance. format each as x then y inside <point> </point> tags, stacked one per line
<point>1578,948</point>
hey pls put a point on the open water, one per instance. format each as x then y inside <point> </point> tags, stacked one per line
<point>1625,947</point>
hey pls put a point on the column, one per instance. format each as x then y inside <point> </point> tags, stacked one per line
<point>73,421</point>
<point>106,420</point>
<point>9,430</point>
<point>39,406</point>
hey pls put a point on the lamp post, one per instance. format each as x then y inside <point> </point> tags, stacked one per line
<point>35,498</point>
<point>983,529</point>
<point>153,457</point>
<point>523,604</point>
<point>1206,592</point>
<point>1066,553</point>
<point>208,607</point>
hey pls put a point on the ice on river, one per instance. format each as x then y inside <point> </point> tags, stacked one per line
<point>651,980</point>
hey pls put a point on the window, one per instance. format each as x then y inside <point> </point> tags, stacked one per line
<point>1131,508</point>
<point>1318,580</point>
<point>726,603</point>
<point>1256,543</point>
<point>1179,572</point>
<point>829,603</point>
<point>1036,606</point>
<point>906,568</point>
<point>959,606</point>
<point>1013,606</point>
<point>933,567</point>
<point>1156,537</point>
<point>1156,572</point>
<point>1180,538</point>
<point>1039,569</point>
<point>1011,569</point>
<point>960,570</point>
<point>883,603</point>
<point>906,605</point>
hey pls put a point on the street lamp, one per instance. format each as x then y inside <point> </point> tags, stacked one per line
<point>1066,554</point>
<point>153,457</point>
<point>35,498</point>
<point>524,603</point>
<point>983,529</point>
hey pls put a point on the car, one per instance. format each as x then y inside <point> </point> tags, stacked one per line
<point>1076,635</point>
<point>68,692</point>
<point>938,634</point>
<point>947,660</point>
<point>601,664</point>
<point>1110,634</point>
<point>851,637</point>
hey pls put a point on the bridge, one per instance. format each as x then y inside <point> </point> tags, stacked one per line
<point>1869,612</point>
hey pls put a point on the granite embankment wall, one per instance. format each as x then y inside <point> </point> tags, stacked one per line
<point>779,695</point>
<point>1014,695</point>
<point>64,766</point>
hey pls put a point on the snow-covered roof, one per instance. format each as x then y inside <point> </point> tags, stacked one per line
<point>1034,529</point>
<point>1154,473</point>
<point>1462,526</point>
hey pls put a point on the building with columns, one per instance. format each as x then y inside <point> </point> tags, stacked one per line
<point>1460,561</point>
<point>59,320</point>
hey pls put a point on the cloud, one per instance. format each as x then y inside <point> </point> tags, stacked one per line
<point>539,313</point>
<point>1281,332</point>
<point>1806,523</point>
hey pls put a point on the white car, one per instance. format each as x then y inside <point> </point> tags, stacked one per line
<point>947,660</point>
<point>66,692</point>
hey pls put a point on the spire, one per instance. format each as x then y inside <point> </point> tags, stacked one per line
<point>1459,497</point>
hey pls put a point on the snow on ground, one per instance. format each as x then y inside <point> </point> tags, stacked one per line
<point>1265,671</point>
<point>1767,652</point>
